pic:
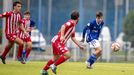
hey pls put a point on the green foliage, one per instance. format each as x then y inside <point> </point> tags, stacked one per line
<point>129,27</point>
<point>67,68</point>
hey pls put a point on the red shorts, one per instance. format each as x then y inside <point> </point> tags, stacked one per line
<point>59,48</point>
<point>11,37</point>
<point>28,39</point>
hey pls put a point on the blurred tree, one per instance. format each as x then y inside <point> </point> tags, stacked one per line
<point>129,27</point>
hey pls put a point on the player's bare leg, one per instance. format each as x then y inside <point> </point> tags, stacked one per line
<point>20,49</point>
<point>60,60</point>
<point>7,48</point>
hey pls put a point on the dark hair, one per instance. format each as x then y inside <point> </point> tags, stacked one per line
<point>99,14</point>
<point>15,3</point>
<point>27,12</point>
<point>74,15</point>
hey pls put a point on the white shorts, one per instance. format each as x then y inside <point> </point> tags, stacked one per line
<point>94,43</point>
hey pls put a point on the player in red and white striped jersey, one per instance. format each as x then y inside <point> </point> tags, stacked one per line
<point>60,51</point>
<point>25,23</point>
<point>11,30</point>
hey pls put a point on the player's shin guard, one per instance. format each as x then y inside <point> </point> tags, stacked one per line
<point>46,67</point>
<point>60,60</point>
<point>92,59</point>
<point>20,49</point>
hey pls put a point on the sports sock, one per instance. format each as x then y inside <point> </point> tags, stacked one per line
<point>5,52</point>
<point>20,49</point>
<point>46,67</point>
<point>60,60</point>
<point>92,59</point>
<point>28,52</point>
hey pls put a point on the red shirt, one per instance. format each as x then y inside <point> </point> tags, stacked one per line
<point>69,32</point>
<point>26,25</point>
<point>12,21</point>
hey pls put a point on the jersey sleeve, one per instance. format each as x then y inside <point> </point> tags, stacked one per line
<point>32,23</point>
<point>87,27</point>
<point>68,25</point>
<point>5,14</point>
<point>22,22</point>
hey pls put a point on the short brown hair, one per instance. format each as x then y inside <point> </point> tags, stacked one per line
<point>17,2</point>
<point>27,12</point>
<point>74,15</point>
<point>99,14</point>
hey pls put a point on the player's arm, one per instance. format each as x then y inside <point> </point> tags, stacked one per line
<point>23,29</point>
<point>0,15</point>
<point>62,32</point>
<point>84,31</point>
<point>77,43</point>
<point>21,26</point>
<point>5,14</point>
<point>100,30</point>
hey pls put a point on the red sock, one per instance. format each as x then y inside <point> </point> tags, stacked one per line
<point>28,52</point>
<point>5,52</point>
<point>20,49</point>
<point>46,67</point>
<point>60,60</point>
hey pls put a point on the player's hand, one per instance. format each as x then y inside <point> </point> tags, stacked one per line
<point>26,34</point>
<point>82,40</point>
<point>82,46</point>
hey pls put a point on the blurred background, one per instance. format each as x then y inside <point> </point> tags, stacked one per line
<point>49,15</point>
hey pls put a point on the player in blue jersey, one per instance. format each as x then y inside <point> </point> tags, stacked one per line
<point>93,30</point>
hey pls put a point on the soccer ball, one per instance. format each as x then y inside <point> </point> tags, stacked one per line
<point>115,46</point>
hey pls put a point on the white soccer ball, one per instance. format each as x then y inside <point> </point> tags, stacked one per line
<point>115,46</point>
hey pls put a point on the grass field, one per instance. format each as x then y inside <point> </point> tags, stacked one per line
<point>68,68</point>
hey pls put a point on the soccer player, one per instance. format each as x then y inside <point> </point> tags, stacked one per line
<point>11,30</point>
<point>60,51</point>
<point>93,30</point>
<point>25,27</point>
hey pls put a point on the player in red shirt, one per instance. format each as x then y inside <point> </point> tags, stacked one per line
<point>11,30</point>
<point>25,25</point>
<point>60,51</point>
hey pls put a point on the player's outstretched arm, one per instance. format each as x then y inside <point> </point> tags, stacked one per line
<point>0,15</point>
<point>5,14</point>
<point>77,43</point>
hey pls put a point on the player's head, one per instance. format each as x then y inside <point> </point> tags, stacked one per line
<point>27,14</point>
<point>17,6</point>
<point>99,16</point>
<point>75,15</point>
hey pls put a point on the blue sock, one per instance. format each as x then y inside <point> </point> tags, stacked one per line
<point>92,59</point>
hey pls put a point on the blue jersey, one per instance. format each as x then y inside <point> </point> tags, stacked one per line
<point>93,30</point>
<point>32,24</point>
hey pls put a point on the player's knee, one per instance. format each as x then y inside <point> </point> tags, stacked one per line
<point>30,46</point>
<point>67,55</point>
<point>100,52</point>
<point>21,44</point>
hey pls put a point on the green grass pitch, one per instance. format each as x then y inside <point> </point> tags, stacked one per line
<point>67,68</point>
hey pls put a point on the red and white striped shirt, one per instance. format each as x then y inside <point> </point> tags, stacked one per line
<point>26,25</point>
<point>69,32</point>
<point>12,21</point>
